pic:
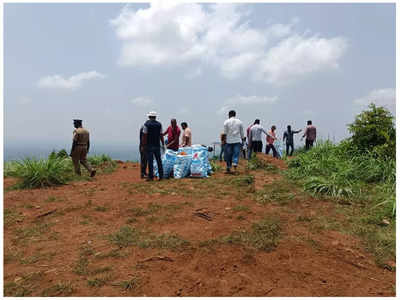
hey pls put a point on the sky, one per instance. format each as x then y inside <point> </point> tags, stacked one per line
<point>110,64</point>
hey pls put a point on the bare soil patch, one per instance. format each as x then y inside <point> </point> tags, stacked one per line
<point>121,236</point>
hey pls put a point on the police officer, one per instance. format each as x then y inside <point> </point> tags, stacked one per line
<point>80,148</point>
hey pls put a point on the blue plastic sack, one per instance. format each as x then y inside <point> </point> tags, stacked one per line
<point>182,166</point>
<point>197,168</point>
<point>155,168</point>
<point>168,161</point>
<point>187,150</point>
<point>203,155</point>
<point>278,147</point>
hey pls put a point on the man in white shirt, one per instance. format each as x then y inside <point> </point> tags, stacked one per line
<point>186,136</point>
<point>233,128</point>
<point>255,140</point>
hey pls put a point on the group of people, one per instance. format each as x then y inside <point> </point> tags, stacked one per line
<point>233,140</point>
<point>150,136</point>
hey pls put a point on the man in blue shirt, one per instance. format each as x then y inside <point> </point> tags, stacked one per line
<point>152,135</point>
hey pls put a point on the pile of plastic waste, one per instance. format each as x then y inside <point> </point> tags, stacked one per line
<point>187,161</point>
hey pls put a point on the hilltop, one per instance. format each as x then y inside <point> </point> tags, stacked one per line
<point>251,234</point>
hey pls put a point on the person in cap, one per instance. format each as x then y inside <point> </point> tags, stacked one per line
<point>80,148</point>
<point>186,136</point>
<point>173,132</point>
<point>143,158</point>
<point>152,135</point>
<point>288,135</point>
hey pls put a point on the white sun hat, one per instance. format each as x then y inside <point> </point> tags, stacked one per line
<point>152,114</point>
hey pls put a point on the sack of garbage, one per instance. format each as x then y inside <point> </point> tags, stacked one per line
<point>197,168</point>
<point>155,168</point>
<point>185,151</point>
<point>168,161</point>
<point>182,166</point>
<point>203,155</point>
<point>278,147</point>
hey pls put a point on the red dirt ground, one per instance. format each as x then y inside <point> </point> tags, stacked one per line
<point>305,263</point>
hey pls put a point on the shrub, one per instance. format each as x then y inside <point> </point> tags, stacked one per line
<point>373,129</point>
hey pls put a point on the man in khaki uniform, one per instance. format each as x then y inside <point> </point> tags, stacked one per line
<point>80,148</point>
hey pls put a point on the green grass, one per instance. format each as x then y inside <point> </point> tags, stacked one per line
<point>241,208</point>
<point>99,281</point>
<point>12,216</point>
<point>101,208</point>
<point>130,236</point>
<point>33,232</point>
<point>55,170</point>
<point>281,192</point>
<point>263,235</point>
<point>24,286</point>
<point>340,172</point>
<point>131,284</point>
<point>39,173</point>
<point>256,163</point>
<point>59,289</point>
<point>362,185</point>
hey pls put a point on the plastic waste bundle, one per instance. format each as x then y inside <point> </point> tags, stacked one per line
<point>182,166</point>
<point>203,156</point>
<point>168,161</point>
<point>278,147</point>
<point>197,168</point>
<point>185,151</point>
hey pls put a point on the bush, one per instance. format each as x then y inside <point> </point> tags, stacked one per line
<point>374,129</point>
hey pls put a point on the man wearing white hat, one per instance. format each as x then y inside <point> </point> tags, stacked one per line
<point>152,135</point>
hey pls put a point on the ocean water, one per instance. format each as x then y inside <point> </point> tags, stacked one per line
<point>123,153</point>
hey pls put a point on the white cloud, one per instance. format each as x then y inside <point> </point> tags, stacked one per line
<point>381,97</point>
<point>298,55</point>
<point>72,83</point>
<point>142,101</point>
<point>236,101</point>
<point>221,36</point>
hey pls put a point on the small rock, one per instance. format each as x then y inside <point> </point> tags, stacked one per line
<point>89,242</point>
<point>37,207</point>
<point>228,208</point>
<point>335,243</point>
<point>17,279</point>
<point>385,222</point>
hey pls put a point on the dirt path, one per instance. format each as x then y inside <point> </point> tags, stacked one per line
<point>57,240</point>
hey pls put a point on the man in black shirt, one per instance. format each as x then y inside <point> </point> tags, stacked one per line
<point>152,135</point>
<point>288,135</point>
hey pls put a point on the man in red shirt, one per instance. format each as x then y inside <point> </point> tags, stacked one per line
<point>173,132</point>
